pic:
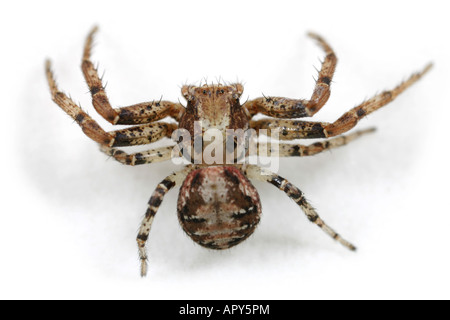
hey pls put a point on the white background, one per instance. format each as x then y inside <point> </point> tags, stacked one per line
<point>69,216</point>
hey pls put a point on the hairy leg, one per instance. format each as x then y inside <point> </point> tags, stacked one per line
<point>289,129</point>
<point>299,150</point>
<point>349,119</point>
<point>296,129</point>
<point>142,134</point>
<point>137,158</point>
<point>89,126</point>
<point>296,108</point>
<point>140,113</point>
<point>255,172</point>
<point>175,179</point>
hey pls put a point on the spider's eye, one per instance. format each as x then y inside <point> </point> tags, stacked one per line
<point>204,91</point>
<point>222,91</point>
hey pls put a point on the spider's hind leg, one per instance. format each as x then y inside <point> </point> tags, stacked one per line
<point>171,181</point>
<point>255,172</point>
<point>99,98</point>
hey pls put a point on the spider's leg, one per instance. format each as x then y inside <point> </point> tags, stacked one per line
<point>289,129</point>
<point>156,199</point>
<point>89,126</point>
<point>140,113</point>
<point>255,172</point>
<point>143,157</point>
<point>296,108</point>
<point>296,129</point>
<point>349,119</point>
<point>321,91</point>
<point>299,150</point>
<point>143,134</point>
<point>277,107</point>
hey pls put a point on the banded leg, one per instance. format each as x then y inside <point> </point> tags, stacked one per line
<point>254,172</point>
<point>143,157</point>
<point>143,134</point>
<point>297,108</point>
<point>135,114</point>
<point>126,137</point>
<point>175,179</point>
<point>296,129</point>
<point>349,119</point>
<point>89,126</point>
<point>290,129</point>
<point>299,150</point>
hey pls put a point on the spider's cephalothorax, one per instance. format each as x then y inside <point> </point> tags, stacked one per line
<point>216,106</point>
<point>218,207</point>
<point>212,107</point>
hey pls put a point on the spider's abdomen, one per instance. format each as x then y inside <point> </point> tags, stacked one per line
<point>218,207</point>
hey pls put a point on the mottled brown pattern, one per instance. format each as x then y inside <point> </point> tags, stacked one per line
<point>218,207</point>
<point>143,134</point>
<point>140,113</point>
<point>149,111</point>
<point>216,106</point>
<point>143,157</point>
<point>291,129</point>
<point>222,215</point>
<point>212,106</point>
<point>299,150</point>
<point>280,107</point>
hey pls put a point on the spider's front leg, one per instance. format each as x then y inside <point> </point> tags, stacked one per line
<point>296,129</point>
<point>136,135</point>
<point>139,113</point>
<point>174,180</point>
<point>349,119</point>
<point>297,108</point>
<point>255,172</point>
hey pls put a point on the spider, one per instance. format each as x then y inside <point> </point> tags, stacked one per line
<point>218,207</point>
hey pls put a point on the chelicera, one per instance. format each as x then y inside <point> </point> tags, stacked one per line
<point>218,207</point>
